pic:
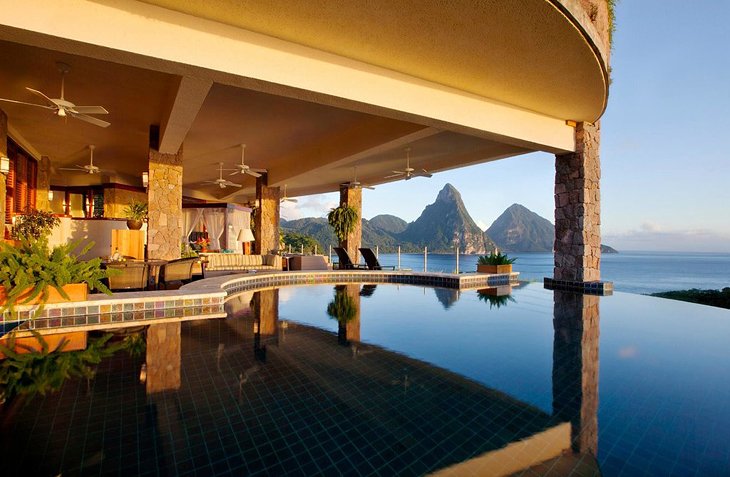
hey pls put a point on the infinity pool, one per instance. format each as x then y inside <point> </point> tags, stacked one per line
<point>398,380</point>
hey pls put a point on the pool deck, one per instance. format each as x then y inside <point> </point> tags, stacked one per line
<point>206,298</point>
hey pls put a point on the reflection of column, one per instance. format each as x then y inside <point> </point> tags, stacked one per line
<point>3,177</point>
<point>352,326</point>
<point>163,357</point>
<point>575,367</point>
<point>266,314</point>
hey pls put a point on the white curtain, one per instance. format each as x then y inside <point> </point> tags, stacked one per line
<point>237,220</point>
<point>215,220</point>
<point>191,219</point>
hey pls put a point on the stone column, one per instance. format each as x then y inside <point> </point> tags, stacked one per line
<point>266,217</point>
<point>43,184</point>
<point>578,209</point>
<point>164,193</point>
<point>575,367</point>
<point>353,197</point>
<point>3,177</point>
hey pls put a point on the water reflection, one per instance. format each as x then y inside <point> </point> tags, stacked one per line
<point>497,297</point>
<point>447,296</point>
<point>228,390</point>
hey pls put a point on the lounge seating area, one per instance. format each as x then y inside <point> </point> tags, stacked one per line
<point>180,270</point>
<point>128,276</point>
<point>236,261</point>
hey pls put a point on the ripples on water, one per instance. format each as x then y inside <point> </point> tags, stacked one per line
<point>633,272</point>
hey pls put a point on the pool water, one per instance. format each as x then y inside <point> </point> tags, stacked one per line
<point>398,380</point>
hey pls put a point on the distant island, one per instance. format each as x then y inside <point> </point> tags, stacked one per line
<point>441,226</point>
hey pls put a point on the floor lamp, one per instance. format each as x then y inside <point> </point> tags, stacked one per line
<point>245,236</point>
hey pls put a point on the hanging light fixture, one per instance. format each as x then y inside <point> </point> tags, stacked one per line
<point>4,164</point>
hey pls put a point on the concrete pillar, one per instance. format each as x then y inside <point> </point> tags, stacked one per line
<point>353,197</point>
<point>578,209</point>
<point>43,184</point>
<point>266,314</point>
<point>3,177</point>
<point>266,217</point>
<point>163,357</point>
<point>165,216</point>
<point>575,367</point>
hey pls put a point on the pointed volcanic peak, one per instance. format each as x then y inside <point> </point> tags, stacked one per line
<point>519,229</point>
<point>444,220</point>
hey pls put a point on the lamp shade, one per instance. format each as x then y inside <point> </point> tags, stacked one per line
<point>245,235</point>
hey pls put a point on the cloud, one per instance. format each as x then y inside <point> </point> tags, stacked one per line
<point>309,206</point>
<point>652,237</point>
<point>628,352</point>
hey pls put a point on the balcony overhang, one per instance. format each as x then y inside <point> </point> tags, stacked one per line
<point>308,87</point>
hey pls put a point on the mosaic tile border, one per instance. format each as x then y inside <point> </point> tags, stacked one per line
<point>586,288</point>
<point>211,293</point>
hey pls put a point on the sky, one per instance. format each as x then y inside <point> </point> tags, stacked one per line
<point>665,158</point>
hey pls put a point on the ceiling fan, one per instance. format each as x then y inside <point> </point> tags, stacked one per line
<point>89,168</point>
<point>242,168</point>
<point>409,172</point>
<point>64,108</point>
<point>221,182</point>
<point>355,184</point>
<point>284,198</point>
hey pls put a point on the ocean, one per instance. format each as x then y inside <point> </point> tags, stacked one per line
<point>633,272</point>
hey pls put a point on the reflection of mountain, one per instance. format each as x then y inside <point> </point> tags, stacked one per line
<point>447,296</point>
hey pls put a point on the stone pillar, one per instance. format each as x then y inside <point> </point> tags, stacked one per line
<point>575,367</point>
<point>163,357</point>
<point>266,217</point>
<point>353,197</point>
<point>43,184</point>
<point>3,177</point>
<point>578,209</point>
<point>164,196</point>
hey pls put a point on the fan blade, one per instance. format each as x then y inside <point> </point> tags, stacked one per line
<point>369,187</point>
<point>75,169</point>
<point>232,184</point>
<point>287,199</point>
<point>35,91</point>
<point>397,174</point>
<point>209,182</point>
<point>89,119</point>
<point>237,172</point>
<point>90,110</point>
<point>261,171</point>
<point>26,104</point>
<point>252,173</point>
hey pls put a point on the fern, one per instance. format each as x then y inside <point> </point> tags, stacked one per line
<point>32,266</point>
<point>343,220</point>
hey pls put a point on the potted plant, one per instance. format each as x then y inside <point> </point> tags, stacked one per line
<point>136,213</point>
<point>495,262</point>
<point>31,273</point>
<point>343,220</point>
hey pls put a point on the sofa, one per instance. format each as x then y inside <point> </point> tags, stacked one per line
<point>236,261</point>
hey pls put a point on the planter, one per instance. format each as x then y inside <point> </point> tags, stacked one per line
<point>74,341</point>
<point>134,224</point>
<point>494,268</point>
<point>75,292</point>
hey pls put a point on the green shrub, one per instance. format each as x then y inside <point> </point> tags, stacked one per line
<point>34,224</point>
<point>343,220</point>
<point>136,210</point>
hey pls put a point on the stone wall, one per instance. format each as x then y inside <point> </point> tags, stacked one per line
<point>353,198</point>
<point>163,357</point>
<point>266,219</point>
<point>115,201</point>
<point>3,177</point>
<point>43,184</point>
<point>578,208</point>
<point>165,223</point>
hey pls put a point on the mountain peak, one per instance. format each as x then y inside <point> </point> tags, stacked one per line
<point>448,194</point>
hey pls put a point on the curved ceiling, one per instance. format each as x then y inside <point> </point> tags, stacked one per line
<point>521,52</point>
